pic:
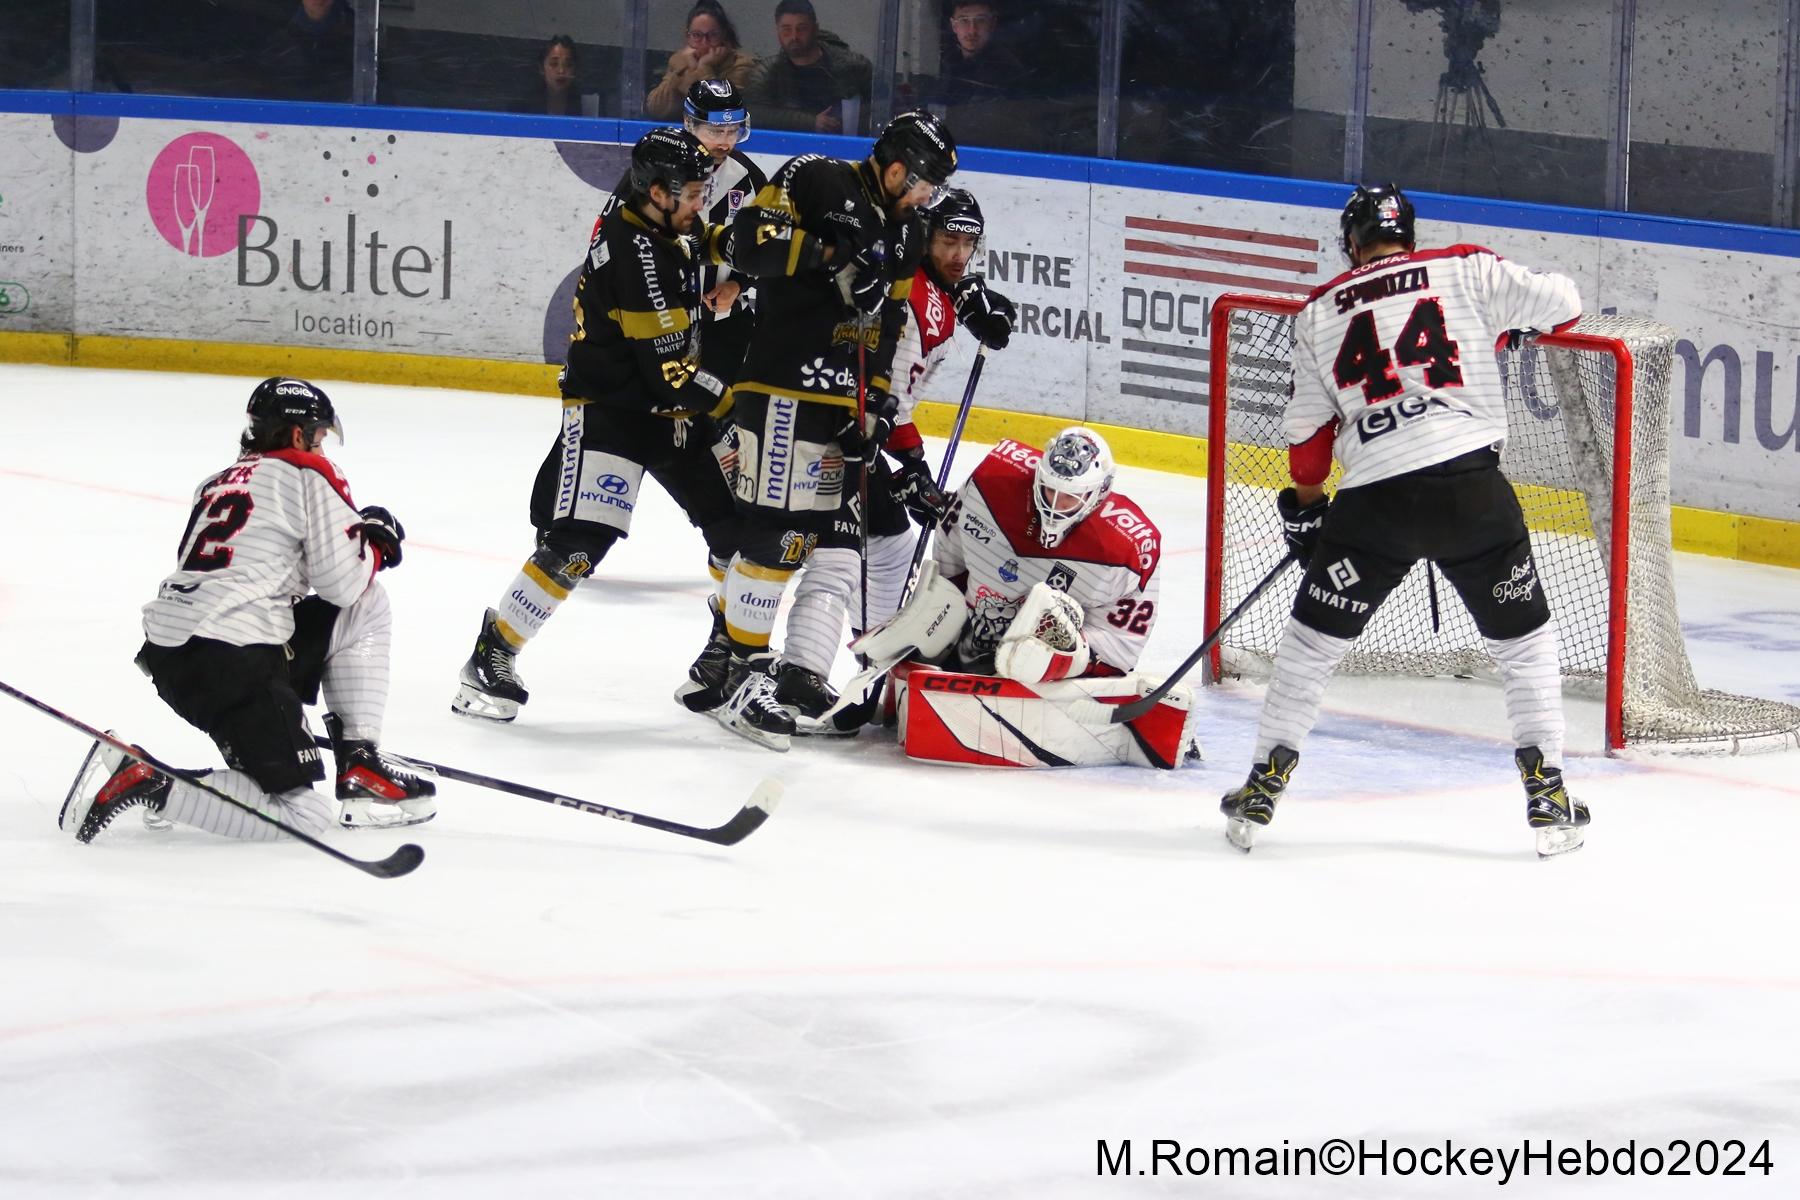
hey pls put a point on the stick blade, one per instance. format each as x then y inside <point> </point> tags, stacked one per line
<point>403,861</point>
<point>749,818</point>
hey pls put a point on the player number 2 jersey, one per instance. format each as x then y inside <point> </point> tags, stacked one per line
<point>263,533</point>
<point>1108,564</point>
<point>1401,351</point>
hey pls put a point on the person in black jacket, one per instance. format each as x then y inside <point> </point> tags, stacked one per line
<point>833,246</point>
<point>636,399</point>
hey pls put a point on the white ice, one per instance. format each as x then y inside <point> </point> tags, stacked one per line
<point>912,981</point>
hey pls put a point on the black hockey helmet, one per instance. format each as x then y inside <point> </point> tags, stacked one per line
<point>957,212</point>
<point>279,403</point>
<point>669,156</point>
<point>716,102</point>
<point>921,141</point>
<point>1376,214</point>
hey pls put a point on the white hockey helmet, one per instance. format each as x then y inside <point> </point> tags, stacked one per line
<point>1073,477</point>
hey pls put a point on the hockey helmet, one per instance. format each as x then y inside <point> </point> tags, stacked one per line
<point>714,107</point>
<point>956,213</point>
<point>280,402</point>
<point>1074,475</point>
<point>923,142</point>
<point>669,156</point>
<point>1376,214</point>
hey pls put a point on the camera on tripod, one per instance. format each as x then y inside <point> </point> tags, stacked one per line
<point>1467,25</point>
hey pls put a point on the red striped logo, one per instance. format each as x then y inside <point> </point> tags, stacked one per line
<point>1217,254</point>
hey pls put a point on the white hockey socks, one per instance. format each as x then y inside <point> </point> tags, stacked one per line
<point>1303,666</point>
<point>890,559</point>
<point>752,596</point>
<point>1532,679</point>
<point>303,808</point>
<point>815,624</point>
<point>355,681</point>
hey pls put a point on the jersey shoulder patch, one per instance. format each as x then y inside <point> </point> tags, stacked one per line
<point>314,462</point>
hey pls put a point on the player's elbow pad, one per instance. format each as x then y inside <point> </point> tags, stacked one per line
<point>1309,462</point>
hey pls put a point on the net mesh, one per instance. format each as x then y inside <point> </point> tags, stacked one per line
<point>1559,457</point>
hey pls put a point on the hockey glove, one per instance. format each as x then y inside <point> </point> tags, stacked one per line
<point>879,412</point>
<point>915,488</point>
<point>986,314</point>
<point>382,530</point>
<point>1301,526</point>
<point>863,279</point>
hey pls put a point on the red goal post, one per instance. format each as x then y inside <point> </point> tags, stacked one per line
<point>1588,454</point>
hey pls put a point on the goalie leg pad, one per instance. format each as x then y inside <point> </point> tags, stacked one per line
<point>980,720</point>
<point>926,628</point>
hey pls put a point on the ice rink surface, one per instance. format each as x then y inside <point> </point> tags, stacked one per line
<point>912,982</point>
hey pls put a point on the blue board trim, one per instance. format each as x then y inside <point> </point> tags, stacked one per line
<point>1540,218</point>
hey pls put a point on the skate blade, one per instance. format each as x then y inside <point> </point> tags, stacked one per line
<point>76,804</point>
<point>363,814</point>
<point>1557,840</point>
<point>155,822</point>
<point>777,742</point>
<point>1241,834</point>
<point>809,727</point>
<point>470,703</point>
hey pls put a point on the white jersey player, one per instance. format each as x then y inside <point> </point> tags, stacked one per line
<point>944,292</point>
<point>1395,371</point>
<point>1042,574</point>
<point>272,600</point>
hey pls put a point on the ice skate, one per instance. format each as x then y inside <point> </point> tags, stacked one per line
<point>375,791</point>
<point>1253,805</point>
<point>752,711</point>
<point>1559,819</point>
<point>807,696</point>
<point>705,687</point>
<point>490,685</point>
<point>109,782</point>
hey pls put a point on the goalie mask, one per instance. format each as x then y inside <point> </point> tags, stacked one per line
<point>1073,477</point>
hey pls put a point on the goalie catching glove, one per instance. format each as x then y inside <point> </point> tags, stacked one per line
<point>1044,641</point>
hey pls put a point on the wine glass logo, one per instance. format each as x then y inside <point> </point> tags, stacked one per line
<point>194,181</point>
<point>200,187</point>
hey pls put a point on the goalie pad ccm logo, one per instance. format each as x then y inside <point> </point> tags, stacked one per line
<point>961,685</point>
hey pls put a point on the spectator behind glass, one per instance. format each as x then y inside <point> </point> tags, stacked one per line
<point>977,66</point>
<point>310,58</point>
<point>711,52</point>
<point>558,89</point>
<point>815,83</point>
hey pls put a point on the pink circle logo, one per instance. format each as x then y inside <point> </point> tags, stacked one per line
<point>199,186</point>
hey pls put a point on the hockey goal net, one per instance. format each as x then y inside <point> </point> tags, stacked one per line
<point>1588,453</point>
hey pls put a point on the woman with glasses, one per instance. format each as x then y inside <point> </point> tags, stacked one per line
<point>710,51</point>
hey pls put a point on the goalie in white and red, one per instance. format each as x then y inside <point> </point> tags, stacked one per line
<point>1031,616</point>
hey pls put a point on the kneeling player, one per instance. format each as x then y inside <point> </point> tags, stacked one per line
<point>233,654</point>
<point>1039,600</point>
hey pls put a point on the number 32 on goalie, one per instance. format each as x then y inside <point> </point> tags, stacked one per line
<point>1133,616</point>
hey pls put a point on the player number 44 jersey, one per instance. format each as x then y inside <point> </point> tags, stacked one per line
<point>1402,352</point>
<point>1108,564</point>
<point>262,534</point>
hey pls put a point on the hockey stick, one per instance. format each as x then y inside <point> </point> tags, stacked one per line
<point>745,822</point>
<point>400,862</point>
<point>862,474</point>
<point>1149,700</point>
<point>943,477</point>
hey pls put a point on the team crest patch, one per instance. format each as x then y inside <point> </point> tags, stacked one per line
<point>1061,577</point>
<point>1009,570</point>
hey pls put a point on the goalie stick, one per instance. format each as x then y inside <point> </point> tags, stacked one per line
<point>400,862</point>
<point>746,821</point>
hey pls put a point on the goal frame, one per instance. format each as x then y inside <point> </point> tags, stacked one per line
<point>1618,554</point>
